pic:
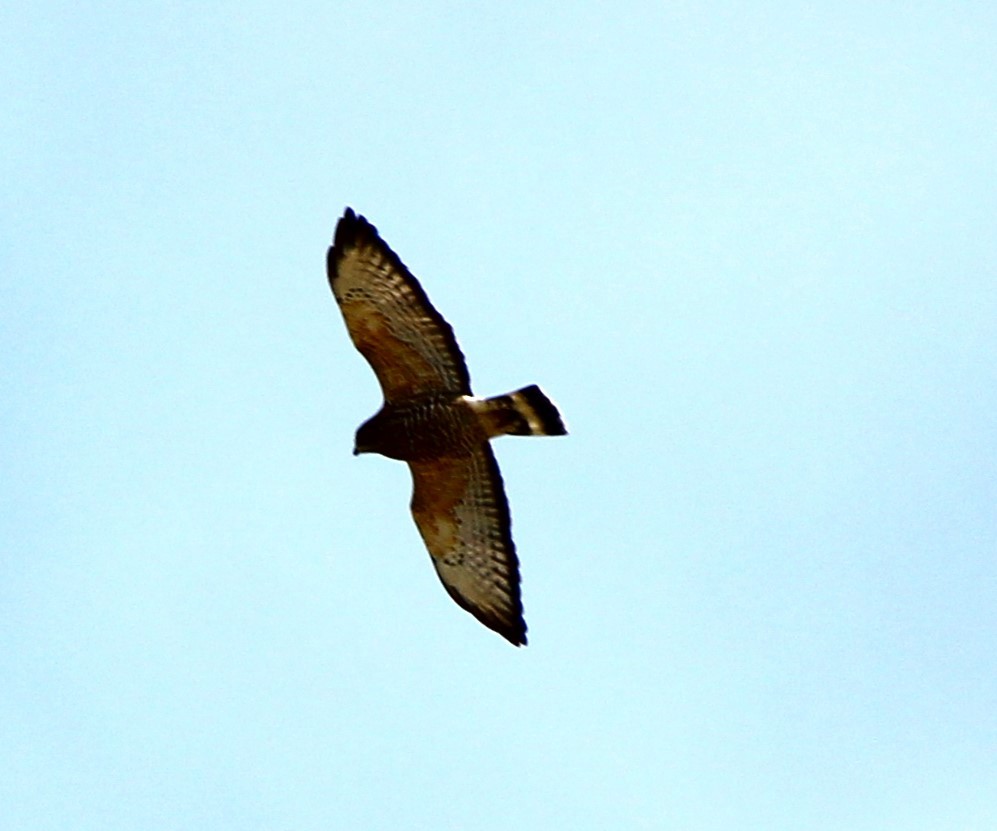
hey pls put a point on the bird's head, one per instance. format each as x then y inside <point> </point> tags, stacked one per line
<point>366,440</point>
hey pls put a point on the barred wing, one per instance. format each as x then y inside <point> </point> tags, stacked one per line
<point>460,508</point>
<point>407,342</point>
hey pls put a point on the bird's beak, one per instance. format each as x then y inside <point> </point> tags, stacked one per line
<point>356,451</point>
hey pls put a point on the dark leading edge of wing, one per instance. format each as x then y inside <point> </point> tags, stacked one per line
<point>354,231</point>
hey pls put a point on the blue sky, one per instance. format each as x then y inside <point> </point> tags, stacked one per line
<point>748,248</point>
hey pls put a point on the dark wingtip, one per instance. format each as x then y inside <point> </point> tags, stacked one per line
<point>512,626</point>
<point>516,634</point>
<point>351,229</point>
<point>514,638</point>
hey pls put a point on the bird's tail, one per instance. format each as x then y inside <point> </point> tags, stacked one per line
<point>525,412</point>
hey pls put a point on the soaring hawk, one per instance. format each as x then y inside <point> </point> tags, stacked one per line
<point>431,420</point>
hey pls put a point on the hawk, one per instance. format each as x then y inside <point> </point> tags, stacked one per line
<point>430,420</point>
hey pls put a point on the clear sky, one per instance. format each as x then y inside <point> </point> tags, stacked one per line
<point>749,248</point>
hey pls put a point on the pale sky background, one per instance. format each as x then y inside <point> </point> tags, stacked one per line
<point>749,248</point>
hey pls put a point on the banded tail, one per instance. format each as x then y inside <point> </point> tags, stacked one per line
<point>525,412</point>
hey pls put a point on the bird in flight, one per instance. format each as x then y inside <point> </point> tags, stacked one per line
<point>432,421</point>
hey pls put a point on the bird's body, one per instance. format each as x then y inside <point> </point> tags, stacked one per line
<point>430,420</point>
<point>423,427</point>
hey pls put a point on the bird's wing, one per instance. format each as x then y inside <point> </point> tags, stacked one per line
<point>460,508</point>
<point>410,346</point>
